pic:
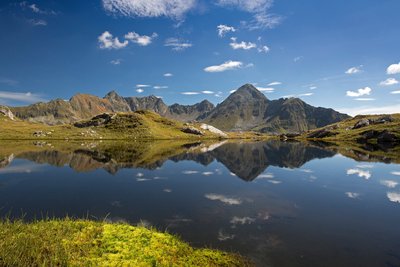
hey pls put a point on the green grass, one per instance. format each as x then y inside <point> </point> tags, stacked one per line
<point>345,133</point>
<point>139,125</point>
<point>70,242</point>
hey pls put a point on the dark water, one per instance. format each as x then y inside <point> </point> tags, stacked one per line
<point>281,204</point>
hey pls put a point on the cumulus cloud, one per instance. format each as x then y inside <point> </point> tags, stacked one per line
<point>21,97</point>
<point>224,29</point>
<point>228,65</point>
<point>177,44</point>
<point>393,69</point>
<point>360,173</point>
<point>393,196</point>
<point>354,70</point>
<point>352,195</point>
<point>242,45</point>
<point>106,41</point>
<point>139,90</point>
<point>224,199</point>
<point>142,40</point>
<point>116,61</point>
<point>168,74</point>
<point>389,81</point>
<point>149,8</point>
<point>359,92</point>
<point>389,183</point>
<point>263,49</point>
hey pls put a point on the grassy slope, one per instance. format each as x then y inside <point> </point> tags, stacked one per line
<point>344,133</point>
<point>126,126</point>
<point>87,243</point>
<point>137,125</point>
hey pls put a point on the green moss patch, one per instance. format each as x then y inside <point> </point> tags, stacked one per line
<point>86,243</point>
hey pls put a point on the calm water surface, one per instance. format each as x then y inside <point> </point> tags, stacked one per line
<point>281,204</point>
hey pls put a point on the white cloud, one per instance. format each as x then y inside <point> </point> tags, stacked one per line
<point>389,81</point>
<point>224,29</point>
<point>359,92</point>
<point>224,236</point>
<point>395,92</point>
<point>395,173</point>
<point>266,89</point>
<point>38,22</point>
<point>149,8</point>
<point>393,69</point>
<point>274,83</point>
<point>177,44</point>
<point>207,92</point>
<point>265,176</point>
<point>143,85</point>
<point>259,8</point>
<point>224,199</point>
<point>190,172</point>
<point>168,74</point>
<point>232,91</point>
<point>352,195</point>
<point>106,41</point>
<point>139,90</point>
<point>21,97</point>
<point>207,173</point>
<point>313,87</point>
<point>35,9</point>
<point>160,87</point>
<point>263,49</point>
<point>305,94</point>
<point>242,45</point>
<point>354,70</point>
<point>370,110</point>
<point>142,40</point>
<point>116,61</point>
<point>389,183</point>
<point>393,196</point>
<point>360,173</point>
<point>228,65</point>
<point>364,99</point>
<point>190,93</point>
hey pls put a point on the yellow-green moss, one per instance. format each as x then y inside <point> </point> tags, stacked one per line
<point>86,243</point>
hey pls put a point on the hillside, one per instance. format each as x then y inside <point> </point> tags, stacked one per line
<point>130,126</point>
<point>373,129</point>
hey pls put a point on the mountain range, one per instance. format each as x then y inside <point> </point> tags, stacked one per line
<point>245,109</point>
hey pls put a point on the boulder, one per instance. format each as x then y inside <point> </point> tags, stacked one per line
<point>192,130</point>
<point>383,119</point>
<point>387,137</point>
<point>321,134</point>
<point>213,130</point>
<point>361,123</point>
<point>98,120</point>
<point>6,112</point>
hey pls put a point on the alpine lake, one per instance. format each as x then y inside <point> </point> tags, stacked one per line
<point>277,203</point>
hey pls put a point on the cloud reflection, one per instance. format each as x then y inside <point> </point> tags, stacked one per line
<point>224,199</point>
<point>360,173</point>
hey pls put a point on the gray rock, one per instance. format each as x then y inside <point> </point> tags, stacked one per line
<point>361,123</point>
<point>387,137</point>
<point>192,130</point>
<point>6,112</point>
<point>321,134</point>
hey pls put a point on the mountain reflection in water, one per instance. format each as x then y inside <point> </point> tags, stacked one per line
<point>294,204</point>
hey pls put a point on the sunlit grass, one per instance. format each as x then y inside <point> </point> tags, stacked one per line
<point>70,242</point>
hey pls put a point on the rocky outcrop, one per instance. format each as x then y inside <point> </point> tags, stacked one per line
<point>380,136</point>
<point>6,112</point>
<point>366,122</point>
<point>192,130</point>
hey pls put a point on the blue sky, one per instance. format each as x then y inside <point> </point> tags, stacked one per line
<point>339,54</point>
